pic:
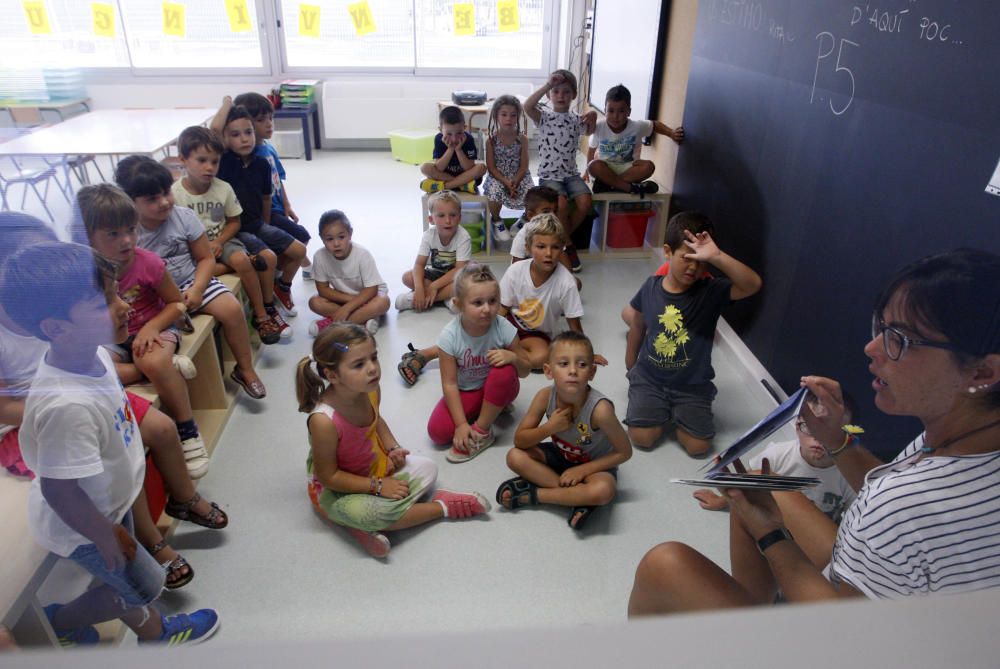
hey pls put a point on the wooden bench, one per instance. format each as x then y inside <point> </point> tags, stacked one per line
<point>25,564</point>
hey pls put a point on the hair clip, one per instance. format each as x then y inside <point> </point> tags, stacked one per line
<point>343,348</point>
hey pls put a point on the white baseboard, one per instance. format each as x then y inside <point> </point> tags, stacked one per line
<point>750,369</point>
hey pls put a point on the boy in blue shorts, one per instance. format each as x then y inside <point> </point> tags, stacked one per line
<point>558,140</point>
<point>455,155</point>
<point>669,349</point>
<point>79,435</point>
<point>614,148</point>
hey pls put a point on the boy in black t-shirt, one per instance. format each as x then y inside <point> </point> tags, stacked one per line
<point>455,154</point>
<point>669,350</point>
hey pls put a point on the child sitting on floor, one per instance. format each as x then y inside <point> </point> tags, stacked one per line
<point>454,154</point>
<point>349,285</point>
<point>481,361</point>
<point>177,236</point>
<point>533,295</point>
<point>358,474</point>
<point>579,467</point>
<point>215,203</point>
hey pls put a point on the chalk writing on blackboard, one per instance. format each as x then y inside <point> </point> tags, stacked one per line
<point>827,45</point>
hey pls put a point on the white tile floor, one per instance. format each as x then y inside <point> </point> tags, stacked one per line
<point>280,572</point>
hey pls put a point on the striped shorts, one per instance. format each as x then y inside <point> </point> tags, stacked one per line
<point>212,291</point>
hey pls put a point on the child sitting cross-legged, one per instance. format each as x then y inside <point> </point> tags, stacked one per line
<point>579,466</point>
<point>349,285</point>
<point>454,154</point>
<point>359,476</point>
<point>80,436</point>
<point>481,361</point>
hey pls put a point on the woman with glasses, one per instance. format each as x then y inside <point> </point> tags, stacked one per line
<point>927,522</point>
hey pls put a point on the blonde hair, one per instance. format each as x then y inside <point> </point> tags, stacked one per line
<point>471,273</point>
<point>544,224</point>
<point>327,352</point>
<point>443,196</point>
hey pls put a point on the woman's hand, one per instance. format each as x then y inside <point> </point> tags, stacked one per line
<point>824,411</point>
<point>755,510</point>
<point>498,357</point>
<point>394,488</point>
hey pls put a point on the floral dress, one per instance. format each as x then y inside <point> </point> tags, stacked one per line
<point>508,161</point>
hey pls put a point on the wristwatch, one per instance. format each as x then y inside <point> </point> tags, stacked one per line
<point>773,537</point>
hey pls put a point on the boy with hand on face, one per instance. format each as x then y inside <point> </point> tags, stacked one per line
<point>454,166</point>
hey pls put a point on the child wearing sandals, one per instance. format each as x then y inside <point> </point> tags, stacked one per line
<point>481,361</point>
<point>177,236</point>
<point>349,285</point>
<point>358,474</point>
<point>579,466</point>
<point>108,221</point>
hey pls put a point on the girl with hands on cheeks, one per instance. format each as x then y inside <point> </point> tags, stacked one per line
<point>935,355</point>
<point>358,474</point>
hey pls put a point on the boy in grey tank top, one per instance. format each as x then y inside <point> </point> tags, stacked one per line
<point>572,458</point>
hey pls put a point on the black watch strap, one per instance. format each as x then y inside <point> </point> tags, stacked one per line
<point>773,537</point>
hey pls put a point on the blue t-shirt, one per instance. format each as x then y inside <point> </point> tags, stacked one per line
<point>468,148</point>
<point>470,352</point>
<point>680,328</point>
<point>251,182</point>
<point>270,154</point>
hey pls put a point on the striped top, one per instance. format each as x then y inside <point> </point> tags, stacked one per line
<point>923,525</point>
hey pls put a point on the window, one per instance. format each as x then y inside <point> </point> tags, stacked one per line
<point>60,32</point>
<point>335,42</point>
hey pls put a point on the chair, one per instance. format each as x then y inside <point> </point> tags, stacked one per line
<point>29,178</point>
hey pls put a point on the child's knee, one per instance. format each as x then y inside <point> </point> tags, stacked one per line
<point>270,258</point>
<point>644,437</point>
<point>239,261</point>
<point>603,492</point>
<point>296,250</point>
<point>440,431</point>
<point>380,304</point>
<point>428,169</point>
<point>318,304</point>
<point>582,203</point>
<point>479,170</point>
<point>408,279</point>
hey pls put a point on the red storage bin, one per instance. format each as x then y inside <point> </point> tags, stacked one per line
<point>627,229</point>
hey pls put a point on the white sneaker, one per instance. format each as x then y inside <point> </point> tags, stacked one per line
<point>404,301</point>
<point>518,224</point>
<point>185,366</point>
<point>195,456</point>
<point>372,326</point>
<point>500,231</point>
<point>307,274</point>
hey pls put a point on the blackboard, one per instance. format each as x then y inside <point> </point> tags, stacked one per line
<point>833,142</point>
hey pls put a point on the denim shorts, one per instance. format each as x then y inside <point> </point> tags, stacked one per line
<point>652,405</point>
<point>139,582</point>
<point>274,238</point>
<point>571,187</point>
<point>282,222</point>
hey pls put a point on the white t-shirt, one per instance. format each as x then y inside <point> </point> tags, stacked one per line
<point>444,256</point>
<point>352,274</point>
<point>80,427</point>
<point>619,147</point>
<point>19,357</point>
<point>539,308</point>
<point>470,352</point>
<point>558,136</point>
<point>833,494</point>
<point>212,207</point>
<point>519,247</point>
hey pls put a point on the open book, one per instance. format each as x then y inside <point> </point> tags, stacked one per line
<point>718,476</point>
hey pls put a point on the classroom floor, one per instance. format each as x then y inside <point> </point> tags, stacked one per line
<point>279,572</point>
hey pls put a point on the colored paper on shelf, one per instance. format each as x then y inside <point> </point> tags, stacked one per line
<point>38,17</point>
<point>508,17</point>
<point>464,15</point>
<point>103,17</point>
<point>174,19</point>
<point>239,16</point>
<point>361,17</point>
<point>309,20</point>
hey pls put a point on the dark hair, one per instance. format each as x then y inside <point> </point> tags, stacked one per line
<point>236,113</point>
<point>539,194</point>
<point>618,94</point>
<point>570,79</point>
<point>955,293</point>
<point>692,221</point>
<point>18,231</point>
<point>101,207</point>
<point>503,101</point>
<point>47,280</point>
<point>255,103</point>
<point>451,114</point>
<point>572,337</point>
<point>141,176</point>
<point>335,216</point>
<point>327,351</point>
<point>195,137</point>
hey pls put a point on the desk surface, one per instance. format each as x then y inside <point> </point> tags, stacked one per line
<point>108,132</point>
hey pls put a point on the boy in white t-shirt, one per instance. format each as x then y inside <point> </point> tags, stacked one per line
<point>349,284</point>
<point>80,437</point>
<point>534,295</point>
<point>614,148</point>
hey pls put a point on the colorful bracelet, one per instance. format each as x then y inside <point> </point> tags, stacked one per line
<point>378,491</point>
<point>850,438</point>
<point>371,485</point>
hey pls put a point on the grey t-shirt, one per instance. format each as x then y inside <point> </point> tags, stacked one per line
<point>171,241</point>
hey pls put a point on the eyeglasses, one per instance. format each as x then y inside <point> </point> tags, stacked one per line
<point>896,343</point>
<point>800,425</point>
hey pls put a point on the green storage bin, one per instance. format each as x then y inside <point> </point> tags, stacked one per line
<point>412,146</point>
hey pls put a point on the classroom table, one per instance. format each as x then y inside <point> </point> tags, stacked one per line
<point>304,114</point>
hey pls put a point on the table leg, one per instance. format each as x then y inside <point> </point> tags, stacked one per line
<point>305,136</point>
<point>317,140</point>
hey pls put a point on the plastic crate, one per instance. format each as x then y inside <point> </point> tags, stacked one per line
<point>289,143</point>
<point>627,229</point>
<point>412,146</point>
